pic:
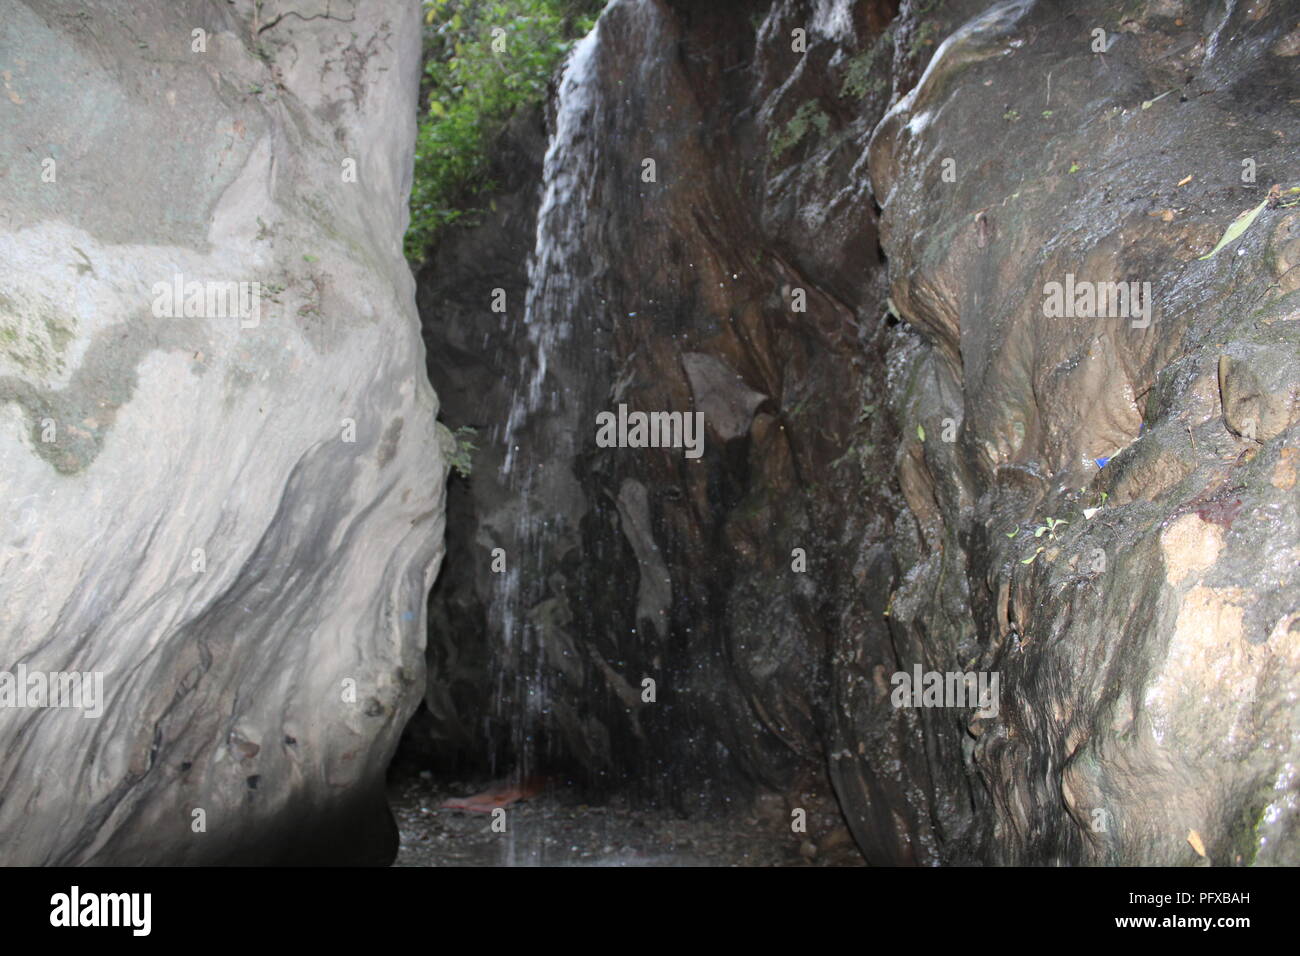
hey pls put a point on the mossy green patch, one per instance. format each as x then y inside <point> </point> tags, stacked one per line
<point>1244,836</point>
<point>858,81</point>
<point>808,117</point>
<point>34,337</point>
<point>68,424</point>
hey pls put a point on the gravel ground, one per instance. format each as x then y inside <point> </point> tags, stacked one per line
<point>555,829</point>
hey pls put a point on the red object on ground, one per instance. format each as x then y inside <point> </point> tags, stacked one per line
<point>498,795</point>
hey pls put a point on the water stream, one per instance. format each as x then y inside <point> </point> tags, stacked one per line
<point>542,424</point>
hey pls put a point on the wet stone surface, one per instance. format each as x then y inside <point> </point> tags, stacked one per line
<point>556,829</point>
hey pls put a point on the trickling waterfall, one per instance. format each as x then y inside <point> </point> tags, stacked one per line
<point>567,178</point>
<point>556,286</point>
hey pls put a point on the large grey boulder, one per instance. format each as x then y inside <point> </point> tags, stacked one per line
<point>235,516</point>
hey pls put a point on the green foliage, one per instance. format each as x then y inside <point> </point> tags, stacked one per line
<point>484,60</point>
<point>462,458</point>
<point>858,81</point>
<point>807,117</point>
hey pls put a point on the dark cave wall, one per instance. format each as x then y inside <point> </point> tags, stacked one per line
<point>693,278</point>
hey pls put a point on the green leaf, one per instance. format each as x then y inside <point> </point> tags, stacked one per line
<point>920,432</point>
<point>1030,559</point>
<point>1038,533</point>
<point>1013,533</point>
<point>1238,227</point>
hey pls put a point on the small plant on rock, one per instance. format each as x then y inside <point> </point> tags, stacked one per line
<point>1049,528</point>
<point>807,118</point>
<point>461,459</point>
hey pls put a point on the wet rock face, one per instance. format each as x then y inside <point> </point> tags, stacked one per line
<point>669,568</point>
<point>474,356</point>
<point>889,387</point>
<point>1147,652</point>
<point>232,512</point>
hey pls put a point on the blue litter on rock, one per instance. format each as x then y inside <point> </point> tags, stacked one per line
<point>1101,462</point>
